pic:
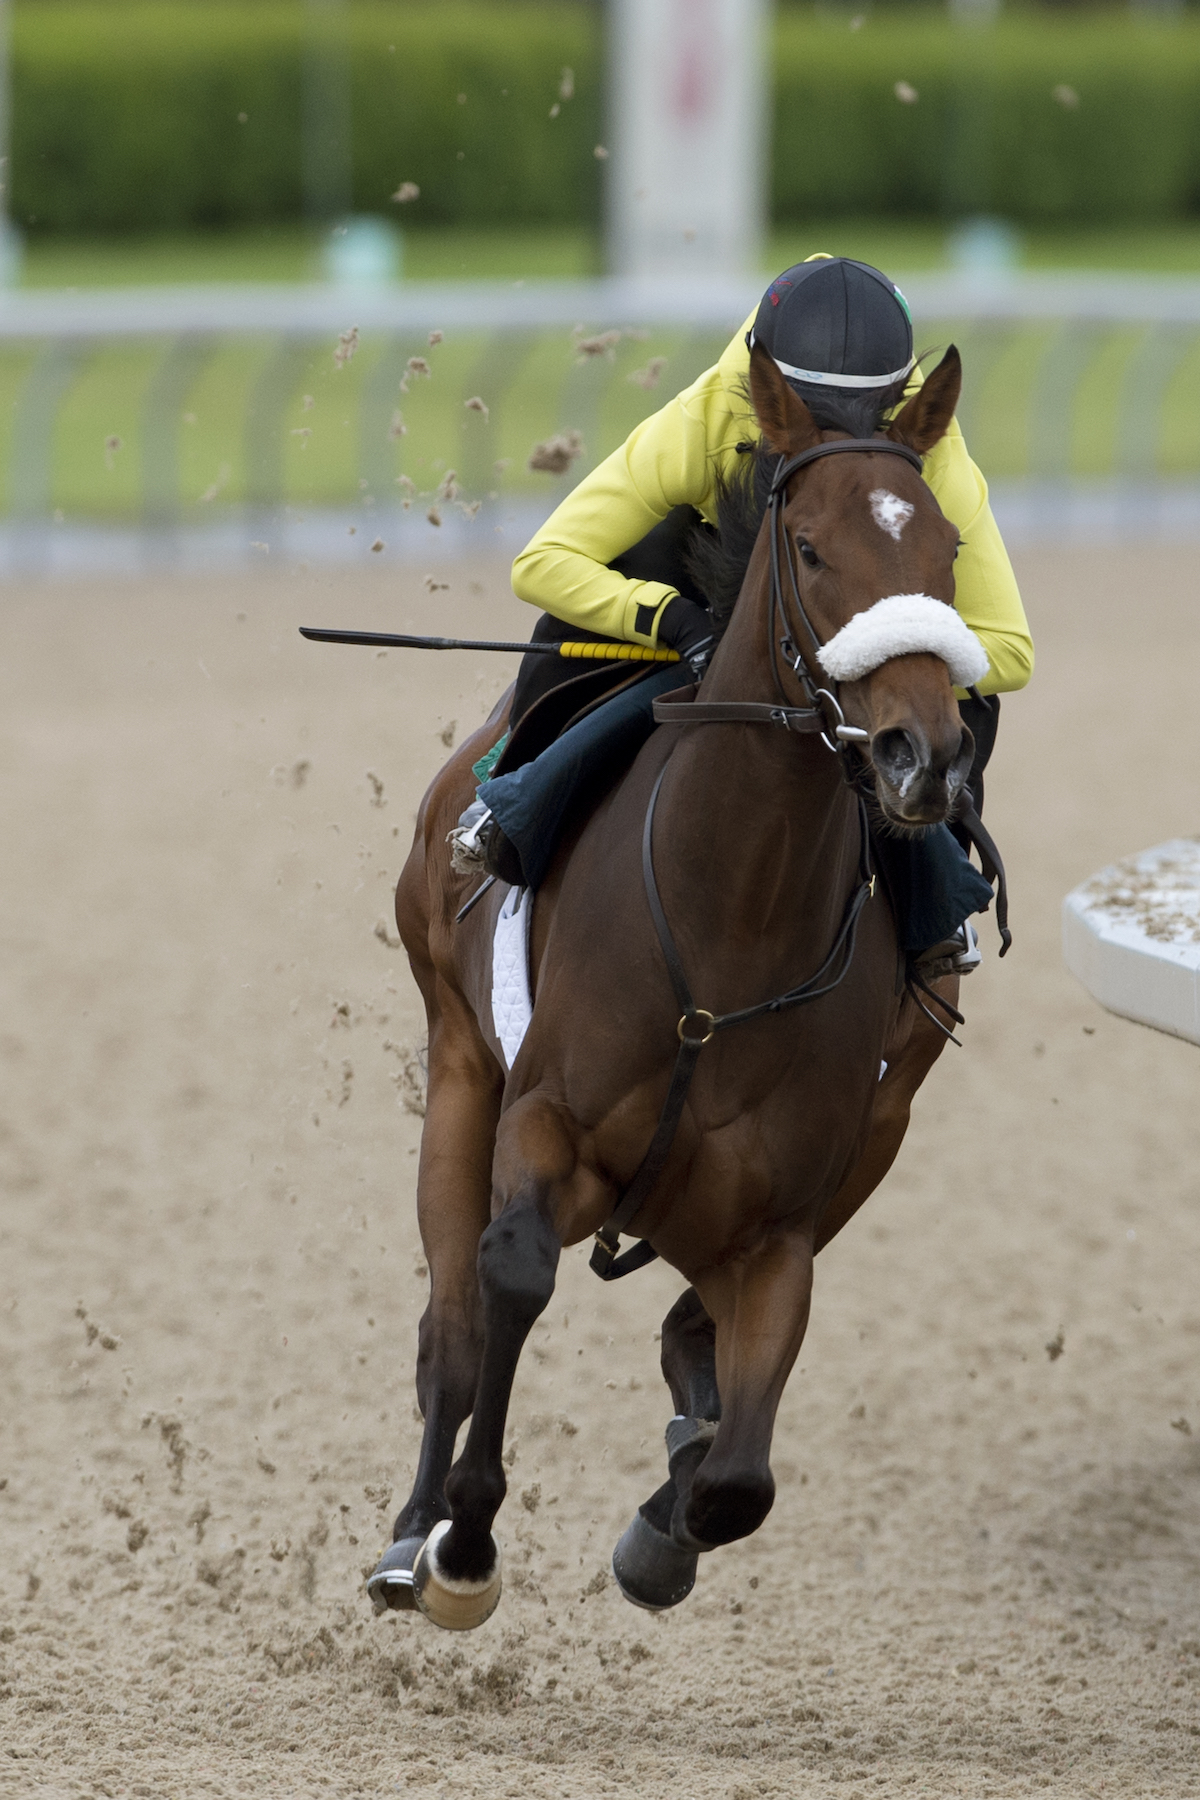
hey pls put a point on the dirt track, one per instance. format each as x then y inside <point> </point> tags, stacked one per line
<point>981,1574</point>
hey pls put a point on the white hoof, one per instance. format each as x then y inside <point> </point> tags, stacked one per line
<point>454,1605</point>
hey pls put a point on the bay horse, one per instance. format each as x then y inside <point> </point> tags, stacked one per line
<point>754,859</point>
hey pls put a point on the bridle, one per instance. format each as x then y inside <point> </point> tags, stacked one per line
<point>823,715</point>
<point>838,736</point>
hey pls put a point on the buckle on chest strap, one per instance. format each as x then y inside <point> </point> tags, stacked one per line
<point>693,1018</point>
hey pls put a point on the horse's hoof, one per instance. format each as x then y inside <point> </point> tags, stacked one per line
<point>453,1604</point>
<point>652,1570</point>
<point>390,1583</point>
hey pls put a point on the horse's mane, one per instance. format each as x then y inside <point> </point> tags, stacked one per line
<point>717,560</point>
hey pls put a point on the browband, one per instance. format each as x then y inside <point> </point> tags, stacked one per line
<point>839,446</point>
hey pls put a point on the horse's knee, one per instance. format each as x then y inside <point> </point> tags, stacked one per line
<point>518,1261</point>
<point>721,1508</point>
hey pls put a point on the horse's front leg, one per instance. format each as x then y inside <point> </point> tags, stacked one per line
<point>909,1061</point>
<point>457,1575</point>
<point>759,1304</point>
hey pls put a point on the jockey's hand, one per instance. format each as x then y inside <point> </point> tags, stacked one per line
<point>686,627</point>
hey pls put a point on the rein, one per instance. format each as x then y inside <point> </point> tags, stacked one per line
<point>697,1026</point>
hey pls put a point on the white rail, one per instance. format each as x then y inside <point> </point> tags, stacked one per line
<point>314,311</point>
<point>186,326</point>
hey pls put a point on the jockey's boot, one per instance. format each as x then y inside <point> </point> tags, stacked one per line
<point>956,955</point>
<point>478,846</point>
<point>500,855</point>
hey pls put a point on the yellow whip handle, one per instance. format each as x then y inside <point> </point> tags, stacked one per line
<point>583,651</point>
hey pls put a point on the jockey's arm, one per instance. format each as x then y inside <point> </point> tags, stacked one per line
<point>671,459</point>
<point>665,461</point>
<point>986,594</point>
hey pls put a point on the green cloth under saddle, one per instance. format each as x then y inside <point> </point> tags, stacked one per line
<point>483,768</point>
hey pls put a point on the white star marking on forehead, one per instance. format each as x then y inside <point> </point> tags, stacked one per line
<point>889,512</point>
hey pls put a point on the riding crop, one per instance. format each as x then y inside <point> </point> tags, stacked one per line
<point>583,650</point>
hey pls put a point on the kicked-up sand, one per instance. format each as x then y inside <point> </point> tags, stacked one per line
<point>982,1572</point>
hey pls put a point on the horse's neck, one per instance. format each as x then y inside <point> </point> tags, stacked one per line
<point>762,826</point>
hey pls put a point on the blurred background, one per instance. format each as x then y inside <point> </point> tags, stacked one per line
<point>231,232</point>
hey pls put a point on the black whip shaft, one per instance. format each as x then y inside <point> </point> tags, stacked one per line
<point>391,640</point>
<point>580,650</point>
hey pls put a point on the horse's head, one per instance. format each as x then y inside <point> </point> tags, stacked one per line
<point>873,556</point>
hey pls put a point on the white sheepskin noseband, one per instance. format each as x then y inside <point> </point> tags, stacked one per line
<point>898,626</point>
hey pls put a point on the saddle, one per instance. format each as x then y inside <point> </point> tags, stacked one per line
<point>574,697</point>
<point>550,696</point>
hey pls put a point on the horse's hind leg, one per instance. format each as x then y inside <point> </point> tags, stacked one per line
<point>689,1358</point>
<point>453,1203</point>
<point>457,1575</point>
<point>651,1569</point>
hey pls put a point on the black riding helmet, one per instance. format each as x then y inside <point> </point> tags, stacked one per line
<point>839,330</point>
<point>833,323</point>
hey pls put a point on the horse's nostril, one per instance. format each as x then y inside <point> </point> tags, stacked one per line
<point>896,756</point>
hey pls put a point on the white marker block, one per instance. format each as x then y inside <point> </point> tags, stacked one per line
<point>1132,936</point>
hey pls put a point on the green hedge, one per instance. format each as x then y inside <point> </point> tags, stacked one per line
<point>986,133</point>
<point>126,116</point>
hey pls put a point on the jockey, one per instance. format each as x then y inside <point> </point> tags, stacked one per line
<point>841,333</point>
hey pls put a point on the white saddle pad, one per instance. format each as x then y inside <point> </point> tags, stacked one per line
<point>512,1001</point>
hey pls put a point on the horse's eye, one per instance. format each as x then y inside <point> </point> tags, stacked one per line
<point>959,546</point>
<point>808,555</point>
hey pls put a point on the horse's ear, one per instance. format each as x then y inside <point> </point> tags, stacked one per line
<point>925,420</point>
<point>787,425</point>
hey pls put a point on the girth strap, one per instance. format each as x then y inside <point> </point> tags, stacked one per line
<point>605,1260</point>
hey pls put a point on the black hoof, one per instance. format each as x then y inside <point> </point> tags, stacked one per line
<point>390,1584</point>
<point>652,1570</point>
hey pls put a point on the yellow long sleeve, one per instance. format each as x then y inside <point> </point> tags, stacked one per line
<point>672,459</point>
